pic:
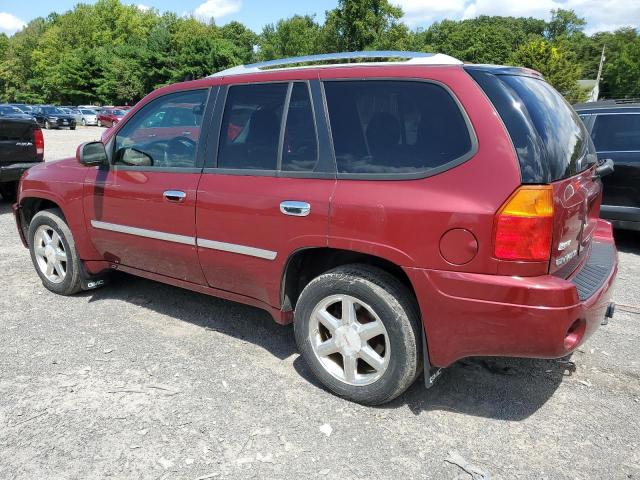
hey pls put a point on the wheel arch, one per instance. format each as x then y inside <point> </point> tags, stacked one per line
<point>305,264</point>
<point>30,205</point>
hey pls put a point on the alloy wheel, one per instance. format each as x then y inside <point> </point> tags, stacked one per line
<point>50,254</point>
<point>349,340</point>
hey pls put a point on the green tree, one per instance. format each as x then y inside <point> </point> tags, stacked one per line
<point>360,25</point>
<point>564,23</point>
<point>298,35</point>
<point>554,63</point>
<point>481,40</point>
<point>242,38</point>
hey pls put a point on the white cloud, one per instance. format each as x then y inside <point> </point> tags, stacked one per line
<point>217,8</point>
<point>600,14</point>
<point>10,24</point>
<point>142,7</point>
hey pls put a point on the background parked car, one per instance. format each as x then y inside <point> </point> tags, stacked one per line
<point>21,147</point>
<point>74,112</point>
<point>110,116</point>
<point>52,117</point>
<point>22,106</point>
<point>88,116</point>
<point>9,111</point>
<point>615,130</point>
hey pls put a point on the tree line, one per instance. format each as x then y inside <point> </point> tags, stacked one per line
<point>112,53</point>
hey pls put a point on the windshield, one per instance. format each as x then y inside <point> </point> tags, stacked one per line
<point>52,111</point>
<point>88,112</point>
<point>549,137</point>
<point>10,110</point>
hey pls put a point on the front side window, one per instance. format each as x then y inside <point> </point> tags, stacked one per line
<point>250,132</point>
<point>617,132</point>
<point>394,127</point>
<point>151,139</point>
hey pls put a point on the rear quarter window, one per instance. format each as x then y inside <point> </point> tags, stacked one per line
<point>396,128</point>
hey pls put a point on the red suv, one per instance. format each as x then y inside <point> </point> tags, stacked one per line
<point>403,214</point>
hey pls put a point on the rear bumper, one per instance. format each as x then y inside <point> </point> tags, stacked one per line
<point>13,172</point>
<point>466,314</point>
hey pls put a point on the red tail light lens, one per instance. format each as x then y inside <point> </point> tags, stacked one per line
<point>39,141</point>
<point>524,225</point>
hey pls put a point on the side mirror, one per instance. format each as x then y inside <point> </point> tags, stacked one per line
<point>92,154</point>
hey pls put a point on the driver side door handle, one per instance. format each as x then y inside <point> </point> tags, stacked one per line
<point>175,196</point>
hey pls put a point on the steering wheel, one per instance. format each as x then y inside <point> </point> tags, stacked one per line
<point>181,145</point>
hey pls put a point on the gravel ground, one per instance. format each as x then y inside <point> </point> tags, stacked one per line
<point>144,380</point>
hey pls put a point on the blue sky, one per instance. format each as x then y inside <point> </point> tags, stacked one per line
<point>600,14</point>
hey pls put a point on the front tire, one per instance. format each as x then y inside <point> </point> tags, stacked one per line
<point>100,123</point>
<point>53,252</point>
<point>84,122</point>
<point>359,330</point>
<point>47,125</point>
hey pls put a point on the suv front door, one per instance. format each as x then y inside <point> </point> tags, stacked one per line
<point>140,211</point>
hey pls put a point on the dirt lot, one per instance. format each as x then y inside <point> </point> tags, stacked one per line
<point>143,380</point>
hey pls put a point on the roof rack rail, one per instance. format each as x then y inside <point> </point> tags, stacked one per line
<point>410,58</point>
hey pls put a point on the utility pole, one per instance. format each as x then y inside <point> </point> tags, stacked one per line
<point>593,96</point>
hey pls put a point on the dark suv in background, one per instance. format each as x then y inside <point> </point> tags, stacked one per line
<point>615,130</point>
<point>52,117</point>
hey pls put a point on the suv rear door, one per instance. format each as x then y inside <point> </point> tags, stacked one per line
<point>617,136</point>
<point>553,147</point>
<point>140,211</point>
<point>266,191</point>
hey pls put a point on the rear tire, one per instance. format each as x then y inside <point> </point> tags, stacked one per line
<point>9,191</point>
<point>99,123</point>
<point>72,128</point>
<point>53,252</point>
<point>359,359</point>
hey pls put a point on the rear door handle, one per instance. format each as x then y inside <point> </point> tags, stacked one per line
<point>295,208</point>
<point>174,196</point>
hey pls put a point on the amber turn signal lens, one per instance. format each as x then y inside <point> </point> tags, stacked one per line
<point>524,225</point>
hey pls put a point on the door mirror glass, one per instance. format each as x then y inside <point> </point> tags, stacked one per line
<point>135,158</point>
<point>91,154</point>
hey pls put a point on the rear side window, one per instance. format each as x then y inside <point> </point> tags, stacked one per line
<point>251,122</point>
<point>549,138</point>
<point>616,132</point>
<point>395,127</point>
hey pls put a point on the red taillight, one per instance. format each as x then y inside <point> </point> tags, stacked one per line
<point>39,141</point>
<point>524,225</point>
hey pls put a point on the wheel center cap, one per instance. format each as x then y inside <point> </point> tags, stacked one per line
<point>348,340</point>
<point>49,251</point>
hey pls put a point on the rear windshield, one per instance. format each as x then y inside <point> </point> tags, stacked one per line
<point>549,137</point>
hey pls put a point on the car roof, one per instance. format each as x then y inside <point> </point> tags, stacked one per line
<point>607,106</point>
<point>317,61</point>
